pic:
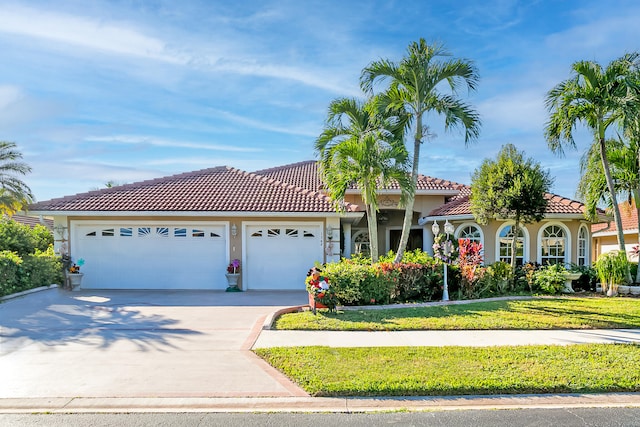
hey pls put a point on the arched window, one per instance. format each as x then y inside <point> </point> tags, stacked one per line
<point>470,232</point>
<point>505,246</point>
<point>583,245</point>
<point>360,242</point>
<point>553,245</point>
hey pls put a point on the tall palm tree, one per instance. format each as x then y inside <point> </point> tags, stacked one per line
<point>362,145</point>
<point>414,84</point>
<point>14,193</point>
<point>625,170</point>
<point>599,98</point>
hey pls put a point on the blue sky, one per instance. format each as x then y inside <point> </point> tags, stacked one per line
<point>131,90</point>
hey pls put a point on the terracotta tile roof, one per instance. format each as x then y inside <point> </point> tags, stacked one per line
<point>305,175</point>
<point>32,221</point>
<point>629,220</point>
<point>220,189</point>
<point>461,205</point>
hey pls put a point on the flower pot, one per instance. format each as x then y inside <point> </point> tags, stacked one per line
<point>314,304</point>
<point>623,289</point>
<point>75,280</point>
<point>232,282</point>
<point>568,278</point>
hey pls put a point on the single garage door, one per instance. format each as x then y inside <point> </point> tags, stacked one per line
<point>150,255</point>
<point>278,256</point>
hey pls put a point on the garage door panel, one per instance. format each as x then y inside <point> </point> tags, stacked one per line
<point>144,256</point>
<point>279,256</point>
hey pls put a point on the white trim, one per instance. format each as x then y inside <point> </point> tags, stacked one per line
<point>526,243</point>
<point>247,214</point>
<point>587,248</point>
<point>567,242</point>
<point>456,233</point>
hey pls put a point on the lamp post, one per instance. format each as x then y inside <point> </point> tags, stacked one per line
<point>446,250</point>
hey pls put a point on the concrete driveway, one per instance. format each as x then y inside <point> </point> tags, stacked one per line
<point>58,343</point>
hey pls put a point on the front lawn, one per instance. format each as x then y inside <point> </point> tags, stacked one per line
<point>543,313</point>
<point>431,371</point>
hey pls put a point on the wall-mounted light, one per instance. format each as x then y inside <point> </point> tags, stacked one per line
<point>329,233</point>
<point>234,230</point>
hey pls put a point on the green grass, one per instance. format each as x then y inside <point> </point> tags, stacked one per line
<point>543,313</point>
<point>433,371</point>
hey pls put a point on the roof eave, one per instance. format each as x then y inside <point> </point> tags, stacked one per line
<point>197,214</point>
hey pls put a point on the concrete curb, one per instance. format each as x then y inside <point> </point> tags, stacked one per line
<point>27,292</point>
<point>268,321</point>
<point>316,404</point>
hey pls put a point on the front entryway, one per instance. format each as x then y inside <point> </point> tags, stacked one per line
<point>415,239</point>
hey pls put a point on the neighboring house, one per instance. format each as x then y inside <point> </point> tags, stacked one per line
<point>32,221</point>
<point>181,231</point>
<point>605,235</point>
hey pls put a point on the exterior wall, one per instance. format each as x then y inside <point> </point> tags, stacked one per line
<point>62,238</point>
<point>532,231</point>
<point>602,244</point>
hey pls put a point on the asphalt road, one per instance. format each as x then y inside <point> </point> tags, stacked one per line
<point>583,417</point>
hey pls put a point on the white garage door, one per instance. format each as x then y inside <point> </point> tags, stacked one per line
<point>279,256</point>
<point>126,255</point>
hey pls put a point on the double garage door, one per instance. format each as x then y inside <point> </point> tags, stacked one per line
<point>150,255</point>
<point>193,255</point>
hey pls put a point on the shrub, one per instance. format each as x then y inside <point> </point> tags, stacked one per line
<point>11,273</point>
<point>550,279</point>
<point>22,239</point>
<point>43,268</point>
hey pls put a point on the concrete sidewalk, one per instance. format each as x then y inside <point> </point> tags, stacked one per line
<point>274,338</point>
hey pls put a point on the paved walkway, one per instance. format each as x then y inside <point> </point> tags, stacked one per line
<point>142,351</point>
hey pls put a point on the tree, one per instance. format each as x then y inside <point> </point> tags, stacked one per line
<point>598,98</point>
<point>625,171</point>
<point>14,193</point>
<point>414,85</point>
<point>510,187</point>
<point>362,145</point>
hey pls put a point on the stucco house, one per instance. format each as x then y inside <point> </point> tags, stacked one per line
<point>605,235</point>
<point>181,231</point>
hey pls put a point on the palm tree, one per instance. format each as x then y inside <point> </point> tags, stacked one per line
<point>362,145</point>
<point>625,171</point>
<point>414,85</point>
<point>14,193</point>
<point>598,98</point>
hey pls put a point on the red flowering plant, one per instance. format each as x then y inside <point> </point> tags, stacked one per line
<point>320,289</point>
<point>470,262</point>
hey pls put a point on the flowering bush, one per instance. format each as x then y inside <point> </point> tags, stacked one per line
<point>470,263</point>
<point>320,289</point>
<point>234,267</point>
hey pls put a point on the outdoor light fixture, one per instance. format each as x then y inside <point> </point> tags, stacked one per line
<point>447,248</point>
<point>448,228</point>
<point>435,228</point>
<point>234,230</point>
<point>330,233</point>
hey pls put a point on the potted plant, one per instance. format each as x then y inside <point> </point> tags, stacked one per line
<point>233,274</point>
<point>74,276</point>
<point>321,294</point>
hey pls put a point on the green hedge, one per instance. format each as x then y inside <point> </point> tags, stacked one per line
<point>17,274</point>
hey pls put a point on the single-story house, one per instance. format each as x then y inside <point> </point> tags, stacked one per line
<point>32,221</point>
<point>181,231</point>
<point>605,235</point>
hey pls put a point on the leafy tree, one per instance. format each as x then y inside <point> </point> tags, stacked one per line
<point>414,85</point>
<point>362,145</point>
<point>510,187</point>
<point>599,98</point>
<point>22,239</point>
<point>14,193</point>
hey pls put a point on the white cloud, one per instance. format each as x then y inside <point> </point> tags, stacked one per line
<point>159,142</point>
<point>523,110</point>
<point>294,129</point>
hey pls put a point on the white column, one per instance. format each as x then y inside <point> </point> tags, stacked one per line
<point>347,240</point>
<point>427,239</point>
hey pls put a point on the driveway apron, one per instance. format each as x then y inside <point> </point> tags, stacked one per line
<point>57,343</point>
